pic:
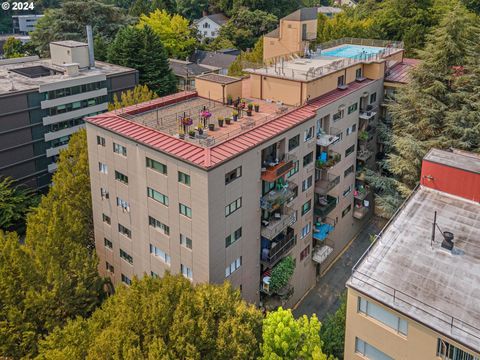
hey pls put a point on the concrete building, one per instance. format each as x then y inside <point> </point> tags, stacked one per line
<point>414,293</point>
<point>43,101</point>
<point>209,25</point>
<point>329,11</point>
<point>24,24</point>
<point>230,202</point>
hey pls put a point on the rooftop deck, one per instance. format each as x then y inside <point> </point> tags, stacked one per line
<point>420,279</point>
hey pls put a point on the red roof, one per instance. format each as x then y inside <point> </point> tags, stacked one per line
<point>209,157</point>
<point>400,73</point>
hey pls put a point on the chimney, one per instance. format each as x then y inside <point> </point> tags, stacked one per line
<point>91,56</point>
<point>204,12</point>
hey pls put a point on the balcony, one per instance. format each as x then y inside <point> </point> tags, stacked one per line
<point>271,228</point>
<point>360,212</point>
<point>321,253</point>
<point>273,171</point>
<point>327,160</point>
<point>364,154</point>
<point>279,247</point>
<point>361,192</point>
<point>326,183</point>
<point>276,198</point>
<point>367,114</point>
<point>328,138</point>
<point>323,229</point>
<point>325,205</point>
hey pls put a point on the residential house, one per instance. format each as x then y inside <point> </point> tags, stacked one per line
<point>209,25</point>
<point>186,71</point>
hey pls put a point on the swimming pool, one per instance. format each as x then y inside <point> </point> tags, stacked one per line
<point>350,51</point>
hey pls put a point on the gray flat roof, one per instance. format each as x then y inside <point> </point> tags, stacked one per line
<point>24,83</point>
<point>455,158</point>
<point>436,287</point>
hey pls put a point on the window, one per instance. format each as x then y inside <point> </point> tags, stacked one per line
<point>230,239</point>
<point>373,98</point>
<point>234,266</point>
<point>309,133</point>
<point>306,207</point>
<point>186,271</point>
<point>119,149</point>
<point>100,140</point>
<point>306,230</point>
<point>358,73</point>
<point>382,315</point>
<point>184,178</point>
<point>233,206</point>
<point>108,243</point>
<point>307,159</point>
<point>294,169</point>
<point>103,168</point>
<point>185,241</point>
<point>305,252</point>
<point>293,142</point>
<point>447,351</point>
<point>347,191</point>
<point>351,129</point>
<point>157,225</point>
<point>341,80</point>
<point>123,204</point>
<point>109,267</point>
<point>369,351</point>
<point>106,219</point>
<point>352,108</point>
<point>348,171</point>
<point>154,274</point>
<point>120,177</point>
<point>185,210</point>
<point>104,193</point>
<point>124,231</point>
<point>125,256</point>
<point>233,175</point>
<point>162,255</point>
<point>157,196</point>
<point>350,150</point>
<point>126,280</point>
<point>307,183</point>
<point>339,115</point>
<point>157,166</point>
<point>346,210</point>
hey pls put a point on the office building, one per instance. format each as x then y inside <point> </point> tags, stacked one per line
<point>43,102</point>
<point>24,24</point>
<point>414,293</point>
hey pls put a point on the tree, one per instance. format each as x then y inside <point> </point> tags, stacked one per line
<point>53,276</point>
<point>282,273</point>
<point>138,95</point>
<point>142,49</point>
<point>174,32</point>
<point>12,48</point>
<point>285,338</point>
<point>332,332</point>
<point>246,59</point>
<point>15,202</point>
<point>191,9</point>
<point>190,322</point>
<point>69,21</point>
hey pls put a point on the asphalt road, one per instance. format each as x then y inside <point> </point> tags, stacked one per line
<point>324,298</point>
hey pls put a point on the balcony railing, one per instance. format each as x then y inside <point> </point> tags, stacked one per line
<point>361,193</point>
<point>274,171</point>
<point>364,154</point>
<point>323,207</point>
<point>327,160</point>
<point>272,228</point>
<point>321,253</point>
<point>279,249</point>
<point>359,213</point>
<point>326,183</point>
<point>323,229</point>
<point>329,137</point>
<point>367,114</point>
<point>276,198</point>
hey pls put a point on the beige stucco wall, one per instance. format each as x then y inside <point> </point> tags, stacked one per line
<point>215,91</point>
<point>286,91</point>
<point>66,55</point>
<point>395,57</point>
<point>420,343</point>
<point>375,70</point>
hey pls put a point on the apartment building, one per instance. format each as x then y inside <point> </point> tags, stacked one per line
<point>225,182</point>
<point>43,102</point>
<point>24,24</point>
<point>414,295</point>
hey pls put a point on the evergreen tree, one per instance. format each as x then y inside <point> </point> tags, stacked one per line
<point>165,318</point>
<point>142,49</point>
<point>332,332</point>
<point>138,95</point>
<point>15,202</point>
<point>247,59</point>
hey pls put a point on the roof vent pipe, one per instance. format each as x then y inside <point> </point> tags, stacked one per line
<point>91,56</point>
<point>447,242</point>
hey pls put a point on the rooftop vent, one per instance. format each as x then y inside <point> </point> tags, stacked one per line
<point>35,71</point>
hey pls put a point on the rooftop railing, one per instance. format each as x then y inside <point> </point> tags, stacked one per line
<point>362,42</point>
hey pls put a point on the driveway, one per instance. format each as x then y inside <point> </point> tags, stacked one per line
<point>324,298</point>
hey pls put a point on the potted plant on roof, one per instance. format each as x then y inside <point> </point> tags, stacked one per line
<point>235,115</point>
<point>257,107</point>
<point>229,99</point>
<point>211,127</point>
<point>228,120</point>
<point>191,133</point>
<point>220,122</point>
<point>200,129</point>
<point>242,103</point>
<point>249,109</point>
<point>181,134</point>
